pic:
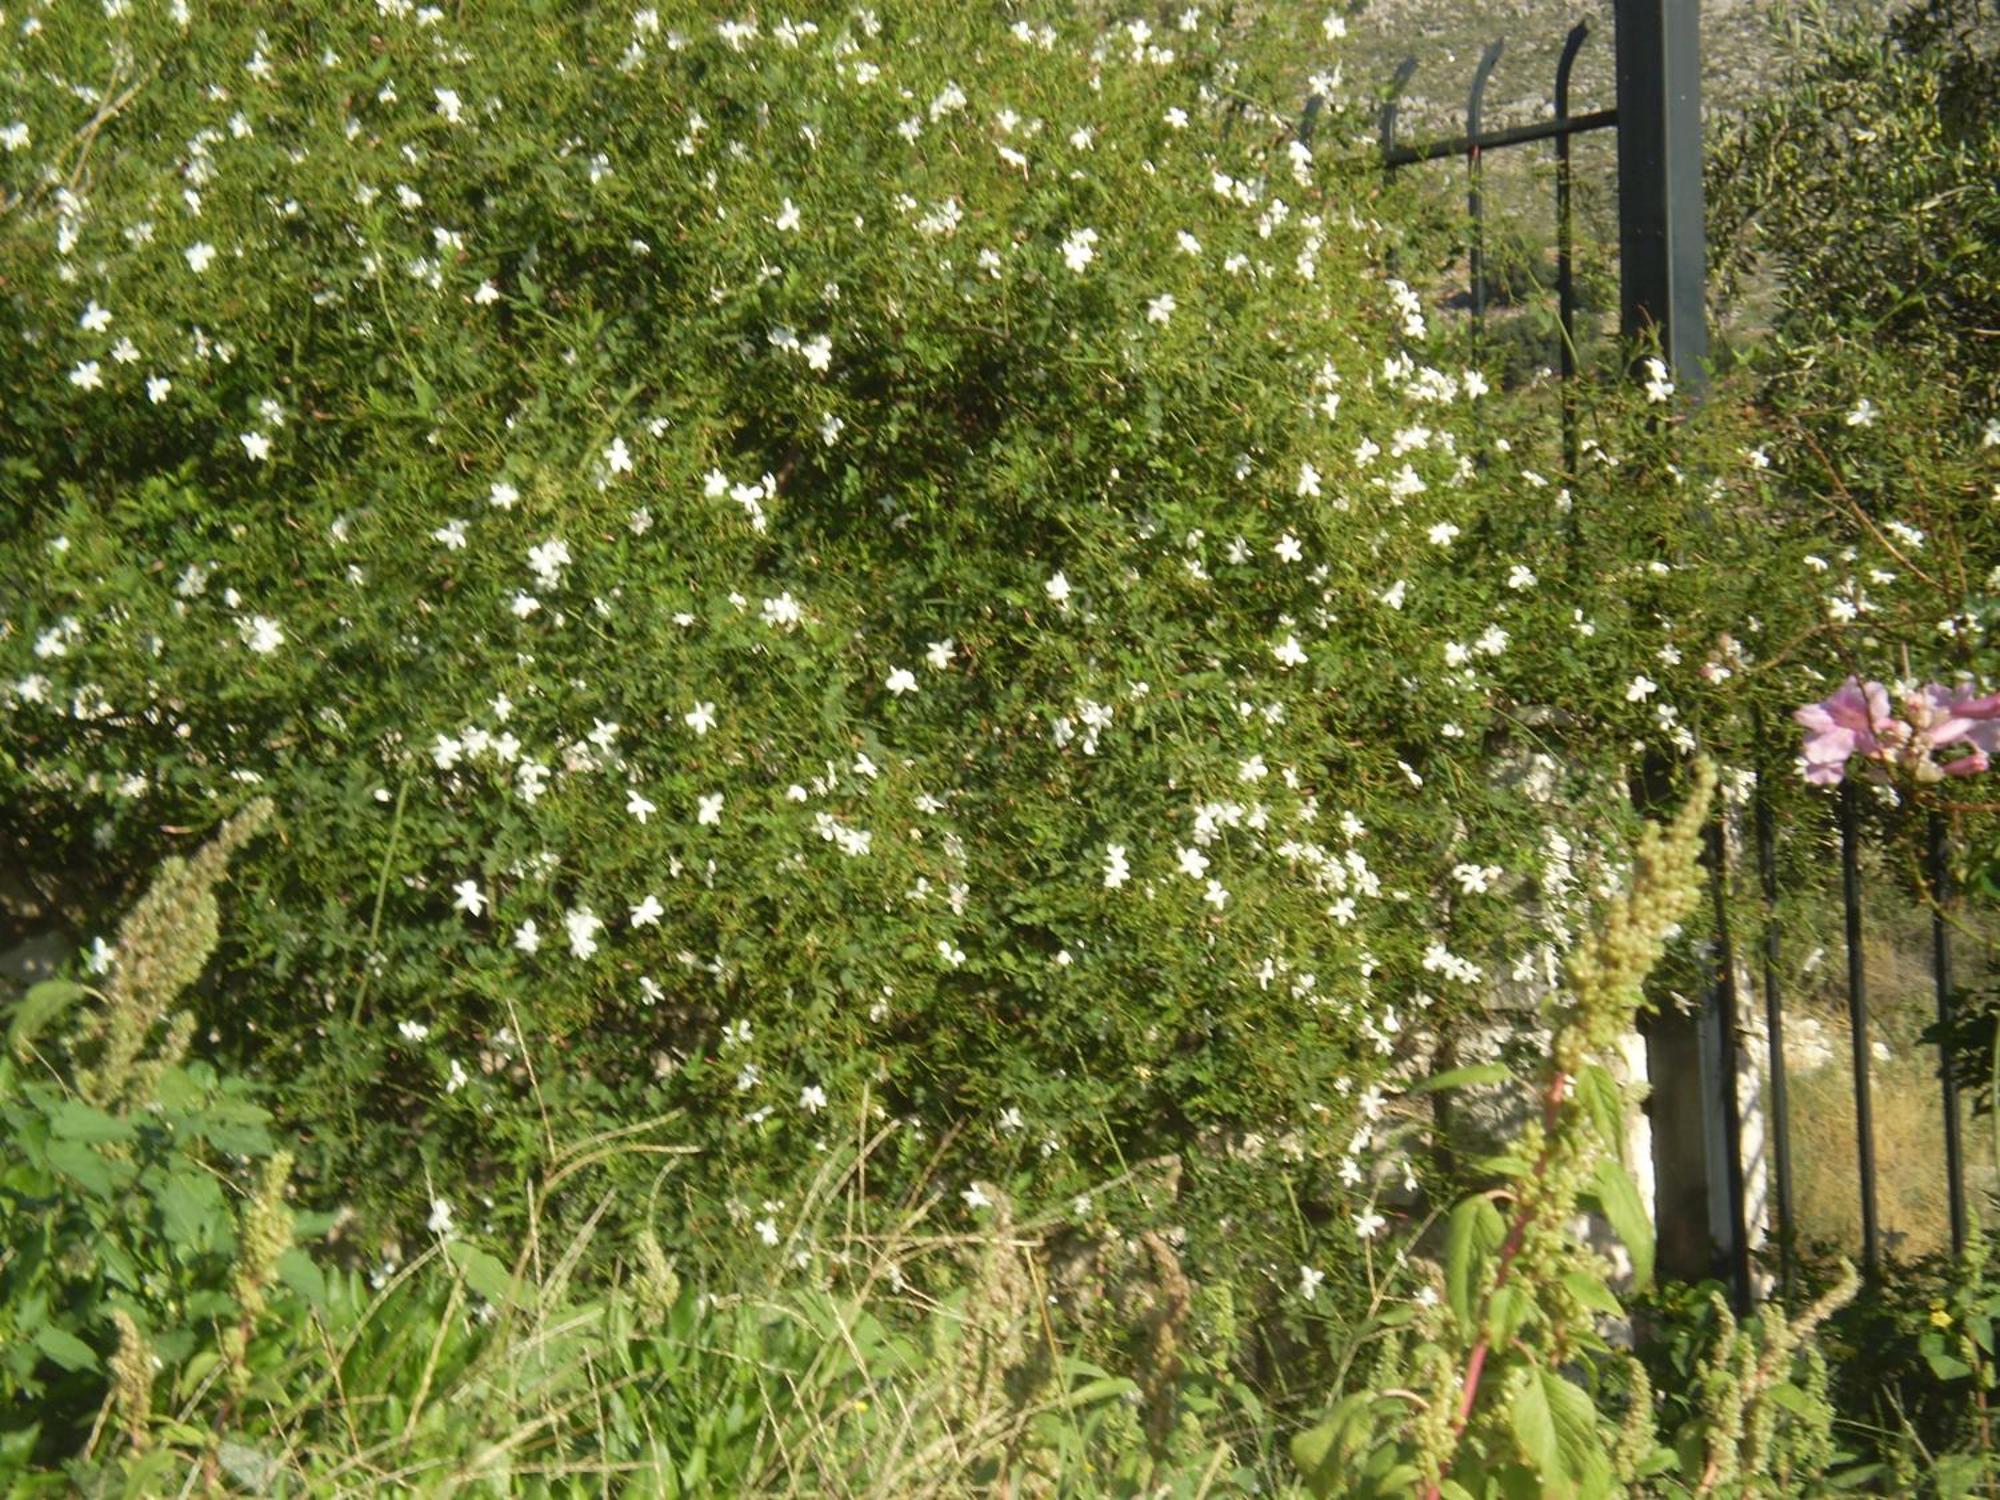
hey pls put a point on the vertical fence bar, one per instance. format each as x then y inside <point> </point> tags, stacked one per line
<point>1939,859</point>
<point>1774,1025</point>
<point>1566,247</point>
<point>1731,1234</point>
<point>1857,1018</point>
<point>1662,253</point>
<point>1386,121</point>
<point>1474,200</point>
<point>1310,119</point>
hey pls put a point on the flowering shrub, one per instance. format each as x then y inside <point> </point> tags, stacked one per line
<point>773,570</point>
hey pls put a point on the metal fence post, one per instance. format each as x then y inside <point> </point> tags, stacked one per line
<point>1939,860</point>
<point>1475,206</point>
<point>1857,1018</point>
<point>1661,249</point>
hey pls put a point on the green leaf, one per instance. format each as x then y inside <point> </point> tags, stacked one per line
<point>65,1348</point>
<point>1592,1293</point>
<point>1604,1102</point>
<point>42,1004</point>
<point>77,1160</point>
<point>1470,1076</point>
<point>298,1271</point>
<point>483,1272</point>
<point>1534,1427</point>
<point>1512,1307</point>
<point>1475,1231</point>
<point>1619,1201</point>
<point>73,1120</point>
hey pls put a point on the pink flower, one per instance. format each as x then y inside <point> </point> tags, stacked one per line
<point>1848,723</point>
<point>1856,721</point>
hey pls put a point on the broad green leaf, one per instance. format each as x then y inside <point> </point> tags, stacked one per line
<point>298,1271</point>
<point>1604,1102</point>
<point>1475,1231</point>
<point>1619,1201</point>
<point>1592,1293</point>
<point>1512,1307</point>
<point>1469,1076</point>
<point>82,1162</point>
<point>483,1272</point>
<point>73,1120</point>
<point>1534,1427</point>
<point>42,1004</point>
<point>65,1348</point>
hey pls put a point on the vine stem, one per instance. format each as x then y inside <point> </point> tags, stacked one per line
<point>1475,1362</point>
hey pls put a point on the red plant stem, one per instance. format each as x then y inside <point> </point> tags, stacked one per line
<point>1475,1362</point>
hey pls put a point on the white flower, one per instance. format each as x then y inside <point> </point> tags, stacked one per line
<point>412,1031</point>
<point>470,900</point>
<point>452,534</point>
<point>975,1198</point>
<point>95,319</point>
<point>1334,27</point>
<point>818,353</point>
<point>1863,414</point>
<point>256,446</point>
<point>1443,534</point>
<point>648,912</point>
<point>1368,1224</point>
<point>199,255</point>
<point>639,805</point>
<point>766,1230</point>
<point>157,387</point>
<point>787,221</point>
<point>939,653</point>
<point>1288,548</point>
<point>1077,253</point>
<point>1193,863</point>
<point>1308,480</point>
<point>1057,588</point>
<point>618,457</point>
<point>503,496</point>
<point>700,718</point>
<point>1658,387</point>
<point>449,105</point>
<point>1289,652</point>
<point>528,937</point>
<point>1117,868</point>
<point>1640,689</point>
<point>1309,1282</point>
<point>902,681</point>
<point>708,809</point>
<point>812,1098</point>
<point>261,634</point>
<point>1395,593</point>
<point>1522,577</point>
<point>546,560</point>
<point>439,1223</point>
<point>1215,895</point>
<point>1161,309</point>
<point>583,925</point>
<point>487,294</point>
<point>87,376</point>
<point>15,136</point>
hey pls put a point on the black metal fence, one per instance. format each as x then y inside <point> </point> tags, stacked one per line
<point>1661,251</point>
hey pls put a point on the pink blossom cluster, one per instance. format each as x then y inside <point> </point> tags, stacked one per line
<point>1858,720</point>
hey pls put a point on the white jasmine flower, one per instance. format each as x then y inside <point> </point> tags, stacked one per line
<point>470,899</point>
<point>648,912</point>
<point>199,255</point>
<point>708,810</point>
<point>902,681</point>
<point>700,718</point>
